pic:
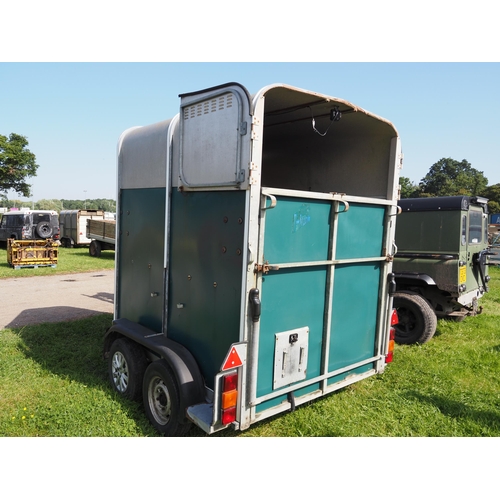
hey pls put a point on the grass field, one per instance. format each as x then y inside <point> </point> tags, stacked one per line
<point>53,382</point>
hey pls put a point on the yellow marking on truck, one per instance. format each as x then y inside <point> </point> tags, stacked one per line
<point>462,274</point>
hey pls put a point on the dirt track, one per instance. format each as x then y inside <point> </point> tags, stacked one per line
<point>50,299</point>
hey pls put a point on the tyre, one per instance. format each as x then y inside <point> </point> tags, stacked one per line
<point>161,400</point>
<point>417,319</point>
<point>95,248</point>
<point>126,366</point>
<point>44,230</point>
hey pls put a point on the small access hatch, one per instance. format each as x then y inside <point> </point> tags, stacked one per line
<point>290,357</point>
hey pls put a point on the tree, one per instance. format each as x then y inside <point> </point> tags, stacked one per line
<point>493,195</point>
<point>17,163</point>
<point>408,188</point>
<point>449,177</point>
<point>49,205</point>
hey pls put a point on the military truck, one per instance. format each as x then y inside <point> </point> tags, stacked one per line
<point>253,255</point>
<point>441,264</point>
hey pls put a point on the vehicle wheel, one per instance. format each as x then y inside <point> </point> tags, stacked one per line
<point>161,400</point>
<point>126,367</point>
<point>95,248</point>
<point>417,319</point>
<point>44,230</point>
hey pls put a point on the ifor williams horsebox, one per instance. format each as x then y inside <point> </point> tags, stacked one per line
<point>255,238</point>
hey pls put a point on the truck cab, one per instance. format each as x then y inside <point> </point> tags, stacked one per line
<point>441,264</point>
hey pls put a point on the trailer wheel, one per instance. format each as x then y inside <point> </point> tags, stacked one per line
<point>126,367</point>
<point>95,248</point>
<point>44,230</point>
<point>417,319</point>
<point>161,400</point>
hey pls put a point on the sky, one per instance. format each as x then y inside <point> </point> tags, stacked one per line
<point>73,113</point>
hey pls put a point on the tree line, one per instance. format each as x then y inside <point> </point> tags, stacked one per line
<point>447,177</point>
<point>17,164</point>
<point>108,205</point>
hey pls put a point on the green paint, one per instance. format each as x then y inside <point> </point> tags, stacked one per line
<point>205,273</point>
<point>140,256</point>
<point>299,231</point>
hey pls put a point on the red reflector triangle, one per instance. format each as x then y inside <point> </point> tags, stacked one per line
<point>233,360</point>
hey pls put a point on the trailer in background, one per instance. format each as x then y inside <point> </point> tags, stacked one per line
<point>73,224</point>
<point>101,234</point>
<point>255,240</point>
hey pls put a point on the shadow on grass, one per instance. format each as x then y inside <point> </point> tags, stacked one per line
<point>73,350</point>
<point>56,314</point>
<point>487,419</point>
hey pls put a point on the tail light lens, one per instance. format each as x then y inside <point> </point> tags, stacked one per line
<point>392,336</point>
<point>229,398</point>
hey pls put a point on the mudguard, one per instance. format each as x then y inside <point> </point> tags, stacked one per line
<point>179,359</point>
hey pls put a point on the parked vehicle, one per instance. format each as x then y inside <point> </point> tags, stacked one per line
<point>494,242</point>
<point>29,225</point>
<point>441,264</point>
<point>73,225</point>
<point>253,255</point>
<point>101,234</point>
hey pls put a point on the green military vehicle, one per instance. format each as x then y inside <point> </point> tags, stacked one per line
<point>441,263</point>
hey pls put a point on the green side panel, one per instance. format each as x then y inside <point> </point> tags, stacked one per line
<point>360,232</point>
<point>291,298</point>
<point>432,232</point>
<point>140,256</point>
<point>297,231</point>
<point>205,274</point>
<point>354,314</point>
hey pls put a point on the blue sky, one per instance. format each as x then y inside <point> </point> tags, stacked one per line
<point>74,113</point>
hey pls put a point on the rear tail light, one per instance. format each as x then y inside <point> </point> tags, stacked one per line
<point>392,336</point>
<point>229,398</point>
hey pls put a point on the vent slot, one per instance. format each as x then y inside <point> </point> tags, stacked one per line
<point>209,106</point>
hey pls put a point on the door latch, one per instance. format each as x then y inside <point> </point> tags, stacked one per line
<point>265,268</point>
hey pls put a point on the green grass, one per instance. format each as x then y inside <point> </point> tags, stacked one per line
<point>70,260</point>
<point>54,376</point>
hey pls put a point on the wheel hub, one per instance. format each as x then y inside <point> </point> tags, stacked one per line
<point>120,372</point>
<point>159,401</point>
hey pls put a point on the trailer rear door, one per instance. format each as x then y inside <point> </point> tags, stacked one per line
<point>320,280</point>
